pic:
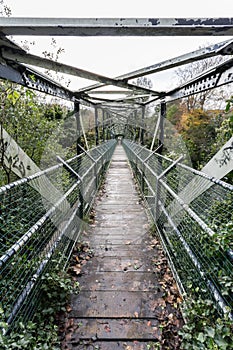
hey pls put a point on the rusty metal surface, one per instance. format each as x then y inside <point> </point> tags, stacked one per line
<point>13,55</point>
<point>116,26</point>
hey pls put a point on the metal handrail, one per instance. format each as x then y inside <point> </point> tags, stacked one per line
<point>188,219</point>
<point>44,230</point>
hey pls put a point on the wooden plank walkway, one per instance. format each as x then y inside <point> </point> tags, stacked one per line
<point>121,299</point>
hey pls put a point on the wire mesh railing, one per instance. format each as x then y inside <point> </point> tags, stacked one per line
<point>41,217</point>
<point>194,216</point>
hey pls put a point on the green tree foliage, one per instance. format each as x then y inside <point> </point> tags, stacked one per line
<point>204,329</point>
<point>174,113</point>
<point>203,131</point>
<point>198,132</point>
<point>29,120</point>
<point>225,130</point>
<point>42,332</point>
<point>53,112</point>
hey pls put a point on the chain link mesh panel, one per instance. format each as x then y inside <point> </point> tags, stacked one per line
<point>194,216</point>
<point>41,218</point>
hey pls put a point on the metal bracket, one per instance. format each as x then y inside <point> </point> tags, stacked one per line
<point>170,167</point>
<point>86,152</point>
<point>137,153</point>
<point>68,167</point>
<point>152,153</point>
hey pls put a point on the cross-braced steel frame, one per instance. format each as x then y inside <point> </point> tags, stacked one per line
<point>14,61</point>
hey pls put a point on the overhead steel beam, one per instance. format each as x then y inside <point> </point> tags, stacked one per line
<point>132,97</point>
<point>32,79</point>
<point>99,99</point>
<point>106,101</point>
<point>11,74</point>
<point>213,78</point>
<point>223,48</point>
<point>109,92</point>
<point>217,76</point>
<point>116,26</point>
<point>67,69</point>
<point>137,104</point>
<point>5,42</point>
<point>123,99</point>
<point>91,87</point>
<point>121,106</point>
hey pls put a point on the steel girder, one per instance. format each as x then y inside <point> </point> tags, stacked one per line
<point>223,48</point>
<point>213,78</point>
<point>221,74</point>
<point>32,79</point>
<point>12,56</point>
<point>116,26</point>
<point>22,57</point>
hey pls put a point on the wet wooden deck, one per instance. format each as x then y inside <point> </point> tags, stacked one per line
<point>121,298</point>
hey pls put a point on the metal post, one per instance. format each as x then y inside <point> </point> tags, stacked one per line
<point>96,127</point>
<point>136,125</point>
<point>109,126</point>
<point>81,189</point>
<point>103,126</point>
<point>160,149</point>
<point>79,127</point>
<point>110,130</point>
<point>163,112</point>
<point>133,131</point>
<point>142,126</point>
<point>126,128</point>
<point>95,165</point>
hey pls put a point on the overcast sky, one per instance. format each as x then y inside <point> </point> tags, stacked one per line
<point>115,56</point>
<point>121,8</point>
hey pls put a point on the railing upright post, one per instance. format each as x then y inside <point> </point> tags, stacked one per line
<point>163,110</point>
<point>163,113</point>
<point>110,129</point>
<point>103,126</point>
<point>143,177</point>
<point>78,125</point>
<point>136,125</point>
<point>142,126</point>
<point>81,189</point>
<point>141,140</point>
<point>96,127</point>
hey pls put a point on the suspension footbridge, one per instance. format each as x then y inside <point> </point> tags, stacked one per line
<point>44,213</point>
